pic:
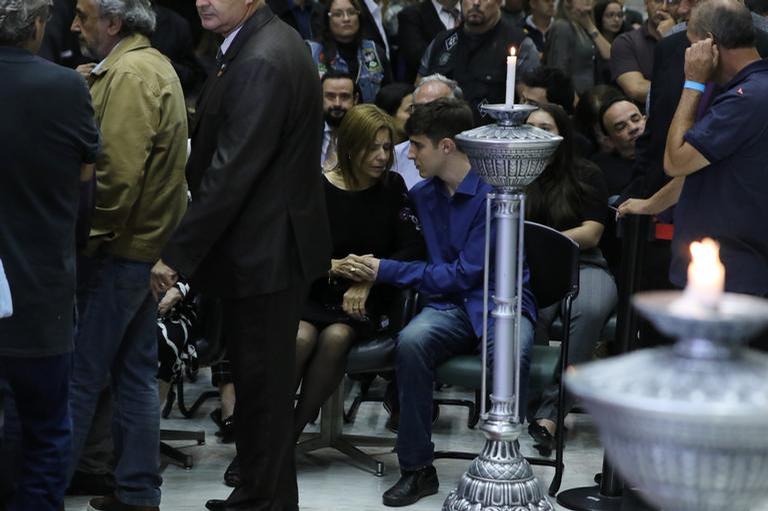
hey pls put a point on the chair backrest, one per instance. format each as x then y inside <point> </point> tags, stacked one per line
<point>553,260</point>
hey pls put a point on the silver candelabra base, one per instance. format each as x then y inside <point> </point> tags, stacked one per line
<point>509,156</point>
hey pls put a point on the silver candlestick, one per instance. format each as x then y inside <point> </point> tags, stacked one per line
<point>687,424</point>
<point>509,155</point>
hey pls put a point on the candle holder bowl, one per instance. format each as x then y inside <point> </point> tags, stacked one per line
<point>508,154</point>
<point>686,424</point>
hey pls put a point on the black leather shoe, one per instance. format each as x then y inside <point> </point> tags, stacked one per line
<point>412,486</point>
<point>232,474</point>
<point>543,439</point>
<point>216,505</point>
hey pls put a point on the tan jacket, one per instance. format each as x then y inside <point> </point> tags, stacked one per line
<point>141,191</point>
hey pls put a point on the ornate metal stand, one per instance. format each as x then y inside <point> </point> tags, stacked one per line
<point>509,156</point>
<point>686,424</point>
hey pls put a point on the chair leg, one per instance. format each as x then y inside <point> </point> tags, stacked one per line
<point>169,400</point>
<point>183,459</point>
<point>331,435</point>
<point>475,418</point>
<point>189,412</point>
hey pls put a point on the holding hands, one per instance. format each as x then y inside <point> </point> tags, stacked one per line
<point>355,298</point>
<point>701,61</point>
<point>355,268</point>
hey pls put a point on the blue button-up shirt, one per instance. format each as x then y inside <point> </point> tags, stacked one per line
<point>454,232</point>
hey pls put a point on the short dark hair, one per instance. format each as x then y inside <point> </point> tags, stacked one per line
<point>608,103</point>
<point>439,119</point>
<point>758,6</point>
<point>558,85</point>
<point>333,74</point>
<point>391,96</point>
<point>729,22</point>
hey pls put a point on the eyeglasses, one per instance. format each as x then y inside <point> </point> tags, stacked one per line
<point>348,13</point>
<point>668,2</point>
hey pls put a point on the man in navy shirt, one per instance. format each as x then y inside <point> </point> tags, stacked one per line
<point>48,142</point>
<point>723,155</point>
<point>451,204</point>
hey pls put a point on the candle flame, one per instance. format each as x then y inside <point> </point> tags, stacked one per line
<point>705,253</point>
<point>512,51</point>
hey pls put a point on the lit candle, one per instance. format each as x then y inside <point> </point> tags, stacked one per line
<point>706,274</point>
<point>511,68</point>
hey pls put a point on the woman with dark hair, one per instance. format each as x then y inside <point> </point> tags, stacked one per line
<point>369,213</point>
<point>574,43</point>
<point>609,20</point>
<point>571,196</point>
<point>396,99</point>
<point>342,47</point>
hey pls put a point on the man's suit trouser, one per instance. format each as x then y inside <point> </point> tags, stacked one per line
<point>260,333</point>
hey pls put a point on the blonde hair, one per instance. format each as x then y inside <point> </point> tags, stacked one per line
<point>357,131</point>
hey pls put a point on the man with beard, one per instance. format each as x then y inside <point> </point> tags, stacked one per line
<point>141,195</point>
<point>475,53</point>
<point>340,93</point>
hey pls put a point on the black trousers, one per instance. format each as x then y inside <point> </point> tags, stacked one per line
<point>260,332</point>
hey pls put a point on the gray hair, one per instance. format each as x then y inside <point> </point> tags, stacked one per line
<point>728,21</point>
<point>17,19</point>
<point>437,77</point>
<point>137,15</point>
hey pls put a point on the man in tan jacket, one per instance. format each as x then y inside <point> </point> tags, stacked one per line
<point>141,195</point>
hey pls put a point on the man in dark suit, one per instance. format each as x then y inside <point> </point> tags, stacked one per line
<point>256,230</point>
<point>418,25</point>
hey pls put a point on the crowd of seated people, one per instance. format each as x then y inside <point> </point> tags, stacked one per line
<point>399,80</point>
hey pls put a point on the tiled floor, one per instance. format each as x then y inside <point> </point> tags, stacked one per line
<point>327,481</point>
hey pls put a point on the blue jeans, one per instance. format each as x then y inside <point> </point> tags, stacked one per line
<point>431,338</point>
<point>116,339</point>
<point>39,420</point>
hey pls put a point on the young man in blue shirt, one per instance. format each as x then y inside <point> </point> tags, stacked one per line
<point>451,205</point>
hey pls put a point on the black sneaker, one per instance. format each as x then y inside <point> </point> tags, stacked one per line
<point>412,486</point>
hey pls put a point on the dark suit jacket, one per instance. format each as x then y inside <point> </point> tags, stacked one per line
<point>257,223</point>
<point>666,87</point>
<point>417,26</point>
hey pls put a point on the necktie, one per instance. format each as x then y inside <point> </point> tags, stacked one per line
<point>331,159</point>
<point>455,14</point>
<point>219,57</point>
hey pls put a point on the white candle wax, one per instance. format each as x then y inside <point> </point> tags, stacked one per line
<point>706,274</point>
<point>511,68</point>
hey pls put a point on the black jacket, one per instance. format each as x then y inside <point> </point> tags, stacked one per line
<point>257,222</point>
<point>477,62</point>
<point>417,27</point>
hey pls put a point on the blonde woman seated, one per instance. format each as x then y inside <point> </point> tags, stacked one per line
<point>369,213</point>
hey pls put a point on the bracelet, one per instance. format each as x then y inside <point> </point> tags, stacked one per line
<point>698,86</point>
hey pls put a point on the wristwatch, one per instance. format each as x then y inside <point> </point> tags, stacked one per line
<point>594,34</point>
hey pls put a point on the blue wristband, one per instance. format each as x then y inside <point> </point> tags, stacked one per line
<point>690,84</point>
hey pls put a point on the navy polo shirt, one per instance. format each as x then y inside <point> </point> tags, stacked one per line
<point>728,199</point>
